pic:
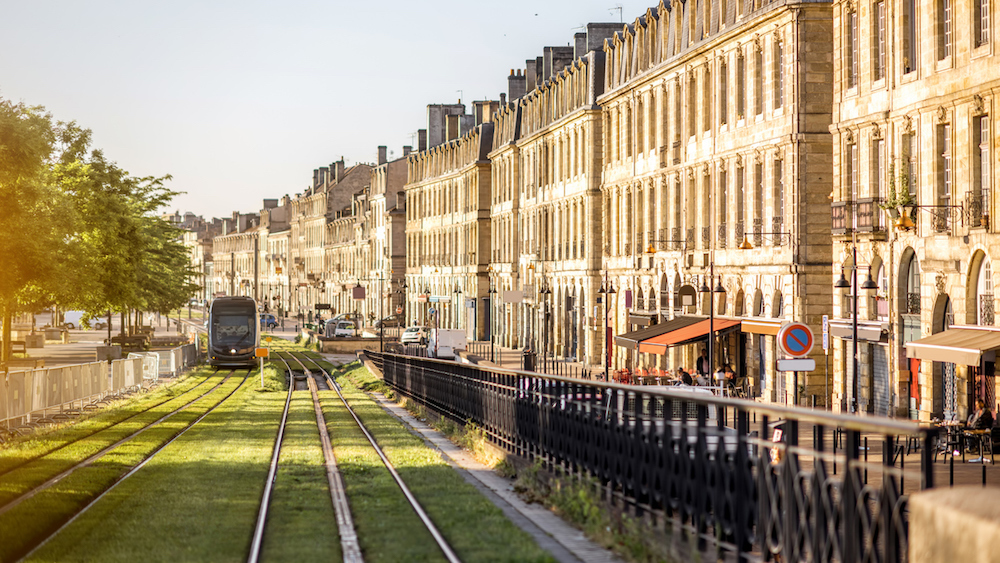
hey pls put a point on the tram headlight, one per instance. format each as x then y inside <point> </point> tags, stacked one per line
<point>232,351</point>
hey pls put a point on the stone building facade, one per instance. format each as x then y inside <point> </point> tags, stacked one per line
<point>448,231</point>
<point>716,128</point>
<point>914,151</point>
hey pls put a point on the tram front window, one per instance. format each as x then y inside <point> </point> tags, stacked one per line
<point>233,330</point>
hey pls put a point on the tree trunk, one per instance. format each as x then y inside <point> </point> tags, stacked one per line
<point>8,319</point>
<point>109,327</point>
<point>121,318</point>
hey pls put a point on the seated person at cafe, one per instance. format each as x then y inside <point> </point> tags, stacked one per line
<point>982,419</point>
<point>702,380</point>
<point>685,376</point>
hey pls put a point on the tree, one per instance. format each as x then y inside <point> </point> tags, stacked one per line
<point>32,220</point>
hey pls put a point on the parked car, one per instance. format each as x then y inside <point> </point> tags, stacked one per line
<point>99,325</point>
<point>267,320</point>
<point>344,329</point>
<point>415,335</point>
<point>71,319</point>
<point>390,321</point>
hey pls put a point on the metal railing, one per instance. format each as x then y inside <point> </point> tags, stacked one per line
<point>713,466</point>
<point>839,219</point>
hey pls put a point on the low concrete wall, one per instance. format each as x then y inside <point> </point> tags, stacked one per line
<point>957,525</point>
<point>348,345</point>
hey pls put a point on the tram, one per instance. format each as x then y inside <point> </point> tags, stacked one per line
<point>233,332</point>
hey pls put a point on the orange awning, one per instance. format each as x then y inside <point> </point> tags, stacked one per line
<point>659,344</point>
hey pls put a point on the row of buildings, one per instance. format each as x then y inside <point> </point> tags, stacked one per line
<point>752,162</point>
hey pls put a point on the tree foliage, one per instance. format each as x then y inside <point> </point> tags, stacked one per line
<point>78,230</point>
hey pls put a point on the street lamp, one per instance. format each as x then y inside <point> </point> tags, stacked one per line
<point>606,290</point>
<point>545,334</point>
<point>457,291</point>
<point>711,314</point>
<point>493,322</point>
<point>868,284</point>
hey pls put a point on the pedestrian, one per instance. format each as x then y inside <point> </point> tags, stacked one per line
<point>685,376</point>
<point>703,366</point>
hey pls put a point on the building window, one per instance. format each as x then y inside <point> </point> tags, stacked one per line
<point>778,198</point>
<point>981,22</point>
<point>911,152</point>
<point>706,107</point>
<point>877,181</point>
<point>909,36</point>
<point>981,182</point>
<point>723,93</point>
<point>984,293</point>
<point>944,29</point>
<point>852,48</point>
<point>758,82</point>
<point>944,162</point>
<point>640,134</point>
<point>692,105</point>
<point>878,40</point>
<point>741,86</point>
<point>851,171</point>
<point>779,76</point>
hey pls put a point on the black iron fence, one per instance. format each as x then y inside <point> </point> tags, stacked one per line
<point>750,480</point>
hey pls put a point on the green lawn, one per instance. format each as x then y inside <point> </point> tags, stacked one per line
<point>29,522</point>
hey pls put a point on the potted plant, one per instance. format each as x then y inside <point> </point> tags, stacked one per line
<point>899,201</point>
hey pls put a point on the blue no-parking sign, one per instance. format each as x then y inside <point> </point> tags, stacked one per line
<point>795,339</point>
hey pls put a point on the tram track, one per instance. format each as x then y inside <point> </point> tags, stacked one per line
<point>10,468</point>
<point>31,545</point>
<point>350,545</point>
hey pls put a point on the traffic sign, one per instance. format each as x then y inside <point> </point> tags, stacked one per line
<point>262,352</point>
<point>399,310</point>
<point>826,333</point>
<point>795,339</point>
<point>797,364</point>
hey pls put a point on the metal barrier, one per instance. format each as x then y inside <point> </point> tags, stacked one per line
<point>751,490</point>
<point>176,359</point>
<point>30,396</point>
<point>150,365</point>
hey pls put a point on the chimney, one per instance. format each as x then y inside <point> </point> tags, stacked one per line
<point>516,85</point>
<point>530,75</point>
<point>579,45</point>
<point>452,127</point>
<point>381,155</point>
<point>340,170</point>
<point>503,99</point>
<point>406,150</point>
<point>315,177</point>
<point>421,140</point>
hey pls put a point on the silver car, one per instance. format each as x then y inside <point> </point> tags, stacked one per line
<point>415,335</point>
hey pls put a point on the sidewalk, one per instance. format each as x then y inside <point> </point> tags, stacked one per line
<point>510,358</point>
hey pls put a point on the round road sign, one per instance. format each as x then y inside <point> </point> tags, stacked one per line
<point>795,339</point>
<point>399,310</point>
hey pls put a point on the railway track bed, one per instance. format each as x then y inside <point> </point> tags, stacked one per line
<point>200,496</point>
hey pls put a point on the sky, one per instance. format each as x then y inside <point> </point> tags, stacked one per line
<point>241,100</point>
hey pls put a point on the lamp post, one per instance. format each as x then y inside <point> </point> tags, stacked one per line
<point>606,291</point>
<point>711,291</point>
<point>457,291</point>
<point>868,284</point>
<point>545,332</point>
<point>492,293</point>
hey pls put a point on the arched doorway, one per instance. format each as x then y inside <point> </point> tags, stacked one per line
<point>945,380</point>
<point>909,315</point>
<point>982,377</point>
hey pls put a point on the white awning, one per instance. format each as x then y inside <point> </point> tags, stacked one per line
<point>963,345</point>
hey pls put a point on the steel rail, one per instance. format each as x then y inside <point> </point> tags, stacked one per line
<point>52,481</point>
<point>442,543</point>
<point>349,544</point>
<point>272,472</point>
<point>81,438</point>
<point>141,464</point>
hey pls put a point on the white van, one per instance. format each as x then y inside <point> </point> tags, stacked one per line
<point>445,342</point>
<point>71,319</point>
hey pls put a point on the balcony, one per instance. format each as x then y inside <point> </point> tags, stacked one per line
<point>758,230</point>
<point>706,237</point>
<point>870,215</point>
<point>721,239</point>
<point>977,205</point>
<point>778,226</point>
<point>840,220</point>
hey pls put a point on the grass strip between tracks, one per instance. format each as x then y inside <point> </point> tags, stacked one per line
<point>301,523</point>
<point>196,500</point>
<point>475,528</point>
<point>41,443</point>
<point>30,522</point>
<point>38,471</point>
